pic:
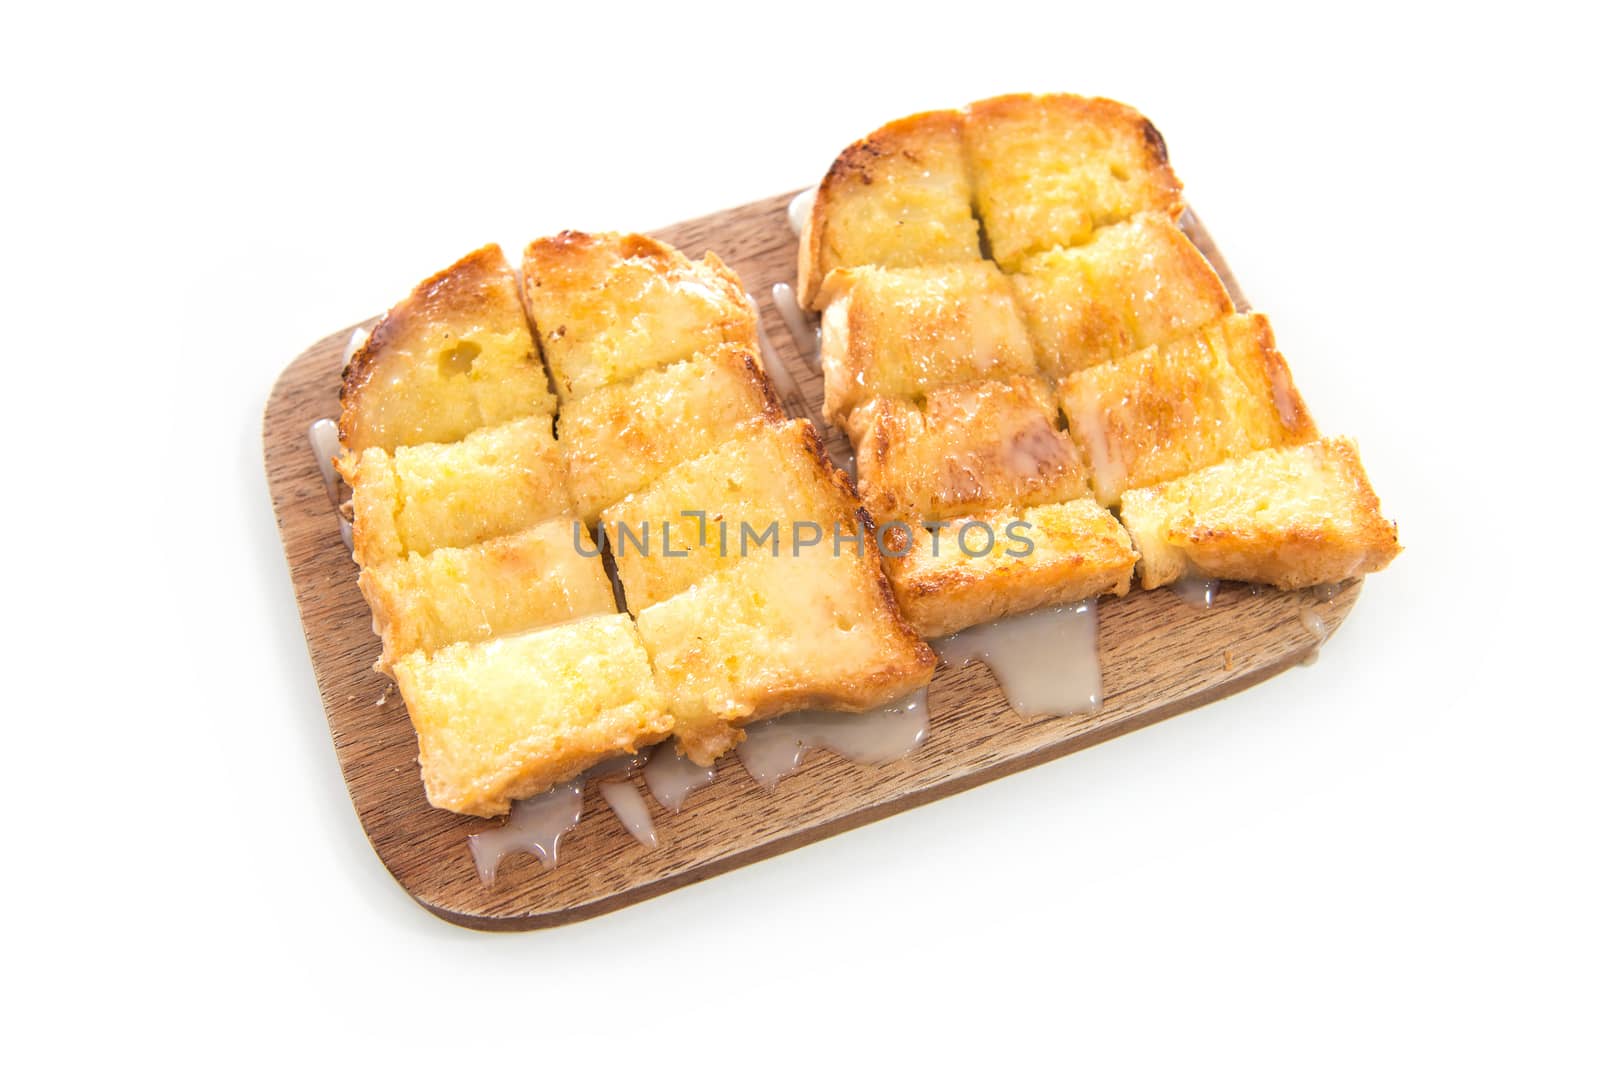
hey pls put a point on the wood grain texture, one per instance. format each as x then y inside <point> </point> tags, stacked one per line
<point>1159,656</point>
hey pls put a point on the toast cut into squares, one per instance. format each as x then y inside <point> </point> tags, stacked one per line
<point>897,198</point>
<point>511,717</point>
<point>777,634</point>
<point>1221,391</point>
<point>494,481</point>
<point>608,307</point>
<point>620,438</point>
<point>543,575</point>
<point>966,449</point>
<point>1287,517</point>
<point>1048,170</point>
<point>978,569</point>
<point>454,356</point>
<point>900,332</point>
<point>770,490</point>
<point>1133,285</point>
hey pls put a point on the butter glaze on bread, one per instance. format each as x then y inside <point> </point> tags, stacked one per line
<point>454,356</point>
<point>1132,285</point>
<point>1048,170</point>
<point>620,438</point>
<point>899,197</point>
<point>495,481</point>
<point>965,449</point>
<point>1221,391</point>
<point>772,475</point>
<point>901,332</point>
<point>511,717</point>
<point>532,578</point>
<point>1287,517</point>
<point>1078,550</point>
<point>608,307</point>
<point>778,634</point>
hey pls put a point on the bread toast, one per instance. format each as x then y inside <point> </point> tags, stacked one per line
<point>900,332</point>
<point>454,356</point>
<point>1015,560</point>
<point>608,307</point>
<point>706,514</point>
<point>511,717</point>
<point>1220,391</point>
<point>619,438</point>
<point>532,578</point>
<point>1048,170</point>
<point>1285,517</point>
<point>966,449</point>
<point>896,198</point>
<point>494,481</point>
<point>1131,285</point>
<point>776,634</point>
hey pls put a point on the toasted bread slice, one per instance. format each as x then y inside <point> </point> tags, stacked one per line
<point>897,198</point>
<point>978,569</point>
<point>1048,170</point>
<point>967,449</point>
<point>776,634</point>
<point>770,490</point>
<point>1164,411</point>
<point>454,356</point>
<point>494,481</point>
<point>511,717</point>
<point>900,332</point>
<point>618,439</point>
<point>1287,517</point>
<point>608,307</point>
<point>1133,285</point>
<point>545,574</point>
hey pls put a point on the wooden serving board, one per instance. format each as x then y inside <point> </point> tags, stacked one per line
<point>1159,657</point>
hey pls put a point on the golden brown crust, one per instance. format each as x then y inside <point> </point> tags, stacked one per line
<point>608,307</point>
<point>1063,553</point>
<point>455,355</point>
<point>1132,285</point>
<point>1287,517</point>
<point>897,197</point>
<point>901,332</point>
<point>618,439</point>
<point>1159,413</point>
<point>966,449</point>
<point>1047,170</point>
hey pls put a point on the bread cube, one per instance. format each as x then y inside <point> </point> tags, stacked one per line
<point>978,569</point>
<point>1133,285</point>
<point>1285,517</point>
<point>705,515</point>
<point>542,575</point>
<point>966,449</point>
<point>1048,170</point>
<point>619,438</point>
<point>512,717</point>
<point>900,332</point>
<point>778,634</point>
<point>1221,391</point>
<point>897,198</point>
<point>608,307</point>
<point>494,481</point>
<point>454,356</point>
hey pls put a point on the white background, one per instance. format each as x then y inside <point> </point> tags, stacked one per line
<point>1390,856</point>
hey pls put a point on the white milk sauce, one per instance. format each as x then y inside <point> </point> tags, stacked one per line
<point>804,329</point>
<point>630,809</point>
<point>1045,660</point>
<point>800,209</point>
<point>535,826</point>
<point>774,748</point>
<point>358,337</point>
<point>1196,591</point>
<point>672,777</point>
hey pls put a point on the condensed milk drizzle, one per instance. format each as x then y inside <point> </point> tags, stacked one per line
<point>1046,660</point>
<point>773,749</point>
<point>672,777</point>
<point>535,826</point>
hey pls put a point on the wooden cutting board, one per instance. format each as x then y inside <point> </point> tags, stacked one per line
<point>1159,657</point>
